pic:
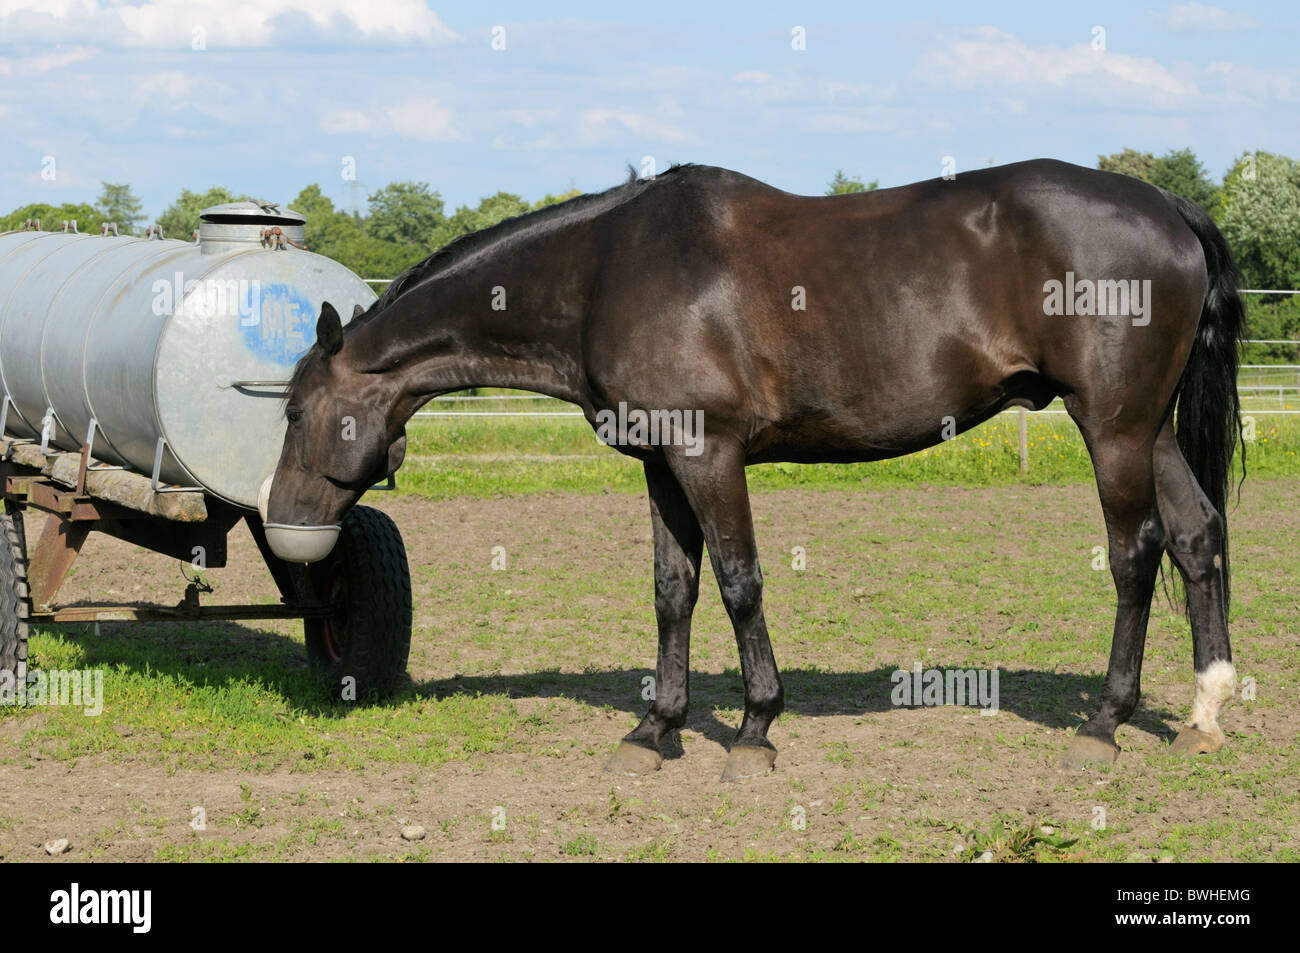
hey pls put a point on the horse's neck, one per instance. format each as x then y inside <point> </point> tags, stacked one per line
<point>501,320</point>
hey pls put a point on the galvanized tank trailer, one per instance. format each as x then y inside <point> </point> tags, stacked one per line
<point>143,384</point>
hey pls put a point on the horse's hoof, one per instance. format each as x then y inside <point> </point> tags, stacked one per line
<point>748,761</point>
<point>1086,751</point>
<point>1193,741</point>
<point>633,760</point>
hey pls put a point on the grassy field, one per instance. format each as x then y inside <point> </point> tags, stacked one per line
<point>523,680</point>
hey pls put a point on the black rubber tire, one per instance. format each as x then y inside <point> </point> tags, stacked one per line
<point>15,600</point>
<point>368,582</point>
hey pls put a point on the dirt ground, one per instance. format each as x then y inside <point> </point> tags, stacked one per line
<point>564,636</point>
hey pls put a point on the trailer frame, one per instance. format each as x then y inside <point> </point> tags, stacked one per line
<point>79,497</point>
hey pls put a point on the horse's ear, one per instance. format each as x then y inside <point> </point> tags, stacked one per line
<point>329,330</point>
<point>357,311</point>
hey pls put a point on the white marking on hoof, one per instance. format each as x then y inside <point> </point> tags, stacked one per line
<point>1214,688</point>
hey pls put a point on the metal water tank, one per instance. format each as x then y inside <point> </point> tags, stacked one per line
<point>165,353</point>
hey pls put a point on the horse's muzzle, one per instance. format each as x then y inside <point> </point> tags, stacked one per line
<point>295,544</point>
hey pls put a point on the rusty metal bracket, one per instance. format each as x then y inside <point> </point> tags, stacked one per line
<point>275,239</point>
<point>55,552</point>
<point>87,451</point>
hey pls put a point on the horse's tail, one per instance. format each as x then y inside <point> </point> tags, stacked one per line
<point>1208,424</point>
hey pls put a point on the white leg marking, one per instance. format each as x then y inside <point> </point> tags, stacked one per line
<point>1214,688</point>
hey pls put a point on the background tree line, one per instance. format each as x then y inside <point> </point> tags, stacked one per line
<point>1256,204</point>
<point>403,224</point>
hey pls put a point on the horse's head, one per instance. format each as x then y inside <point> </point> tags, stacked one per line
<point>339,442</point>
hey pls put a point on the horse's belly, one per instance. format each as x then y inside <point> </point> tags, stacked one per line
<point>905,421</point>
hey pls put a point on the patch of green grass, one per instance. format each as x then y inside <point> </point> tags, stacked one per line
<point>840,752</point>
<point>1008,839</point>
<point>584,845</point>
<point>656,850</point>
<point>217,851</point>
<point>254,708</point>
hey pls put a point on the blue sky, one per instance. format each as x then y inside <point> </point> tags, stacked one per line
<point>280,93</point>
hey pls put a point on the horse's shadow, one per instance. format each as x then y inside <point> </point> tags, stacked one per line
<point>223,653</point>
<point>1053,699</point>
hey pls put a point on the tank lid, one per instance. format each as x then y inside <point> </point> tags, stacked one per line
<point>252,212</point>
<point>222,227</point>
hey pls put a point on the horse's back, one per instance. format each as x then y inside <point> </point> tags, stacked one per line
<point>849,326</point>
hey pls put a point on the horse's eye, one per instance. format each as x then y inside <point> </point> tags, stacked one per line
<point>294,416</point>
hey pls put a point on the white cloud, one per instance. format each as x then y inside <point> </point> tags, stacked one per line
<point>991,58</point>
<point>33,65</point>
<point>598,124</point>
<point>751,76</point>
<point>531,117</point>
<point>424,120</point>
<point>548,142</point>
<point>845,122</point>
<point>1013,74</point>
<point>341,121</point>
<point>1241,82</point>
<point>167,89</point>
<point>178,24</point>
<point>1203,18</point>
<point>173,91</point>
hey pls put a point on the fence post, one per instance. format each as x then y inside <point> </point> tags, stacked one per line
<point>1024,441</point>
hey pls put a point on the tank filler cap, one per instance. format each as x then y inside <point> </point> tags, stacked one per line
<point>223,228</point>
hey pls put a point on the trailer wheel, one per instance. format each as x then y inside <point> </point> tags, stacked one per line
<point>15,599</point>
<point>367,582</point>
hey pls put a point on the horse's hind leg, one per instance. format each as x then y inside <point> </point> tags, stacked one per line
<point>678,546</point>
<point>1126,484</point>
<point>1195,542</point>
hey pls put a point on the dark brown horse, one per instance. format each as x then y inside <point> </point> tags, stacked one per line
<point>819,329</point>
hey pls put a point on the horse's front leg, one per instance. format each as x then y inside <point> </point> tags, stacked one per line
<point>714,483</point>
<point>678,545</point>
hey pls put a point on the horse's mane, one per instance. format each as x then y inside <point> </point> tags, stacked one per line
<point>462,248</point>
<point>451,254</point>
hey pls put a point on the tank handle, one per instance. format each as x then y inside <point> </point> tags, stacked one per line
<point>280,387</point>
